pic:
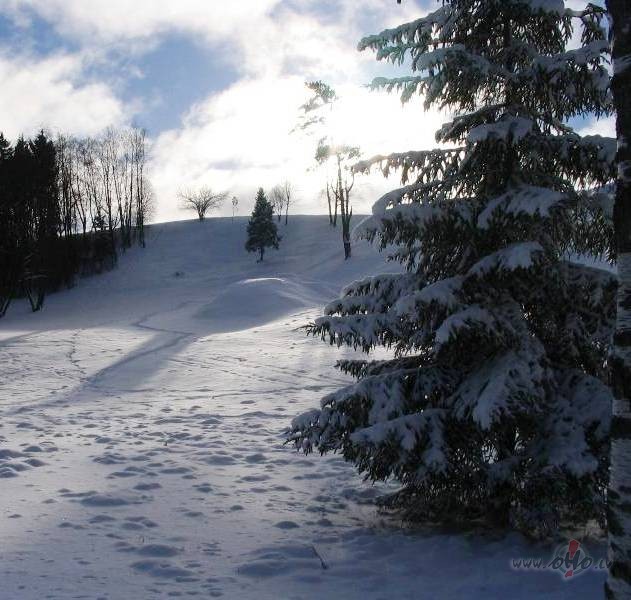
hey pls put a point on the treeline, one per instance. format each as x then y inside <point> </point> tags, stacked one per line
<point>68,206</point>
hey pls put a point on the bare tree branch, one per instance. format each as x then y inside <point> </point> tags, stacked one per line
<point>277,199</point>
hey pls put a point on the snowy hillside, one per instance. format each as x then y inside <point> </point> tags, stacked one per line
<point>141,440</point>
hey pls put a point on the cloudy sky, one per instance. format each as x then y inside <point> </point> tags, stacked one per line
<point>217,84</point>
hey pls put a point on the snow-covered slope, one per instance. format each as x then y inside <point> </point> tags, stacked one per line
<point>141,447</point>
<point>205,263</point>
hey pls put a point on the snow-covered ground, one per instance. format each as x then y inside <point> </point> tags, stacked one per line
<point>141,440</point>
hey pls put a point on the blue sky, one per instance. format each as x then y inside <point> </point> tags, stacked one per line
<point>216,84</point>
<point>160,80</point>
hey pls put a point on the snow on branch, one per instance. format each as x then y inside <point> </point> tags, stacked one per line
<point>472,317</point>
<point>511,382</point>
<point>525,200</point>
<point>444,293</point>
<point>405,431</point>
<point>373,294</point>
<point>590,53</point>
<point>584,406</point>
<point>508,128</point>
<point>416,33</point>
<point>434,163</point>
<point>523,255</point>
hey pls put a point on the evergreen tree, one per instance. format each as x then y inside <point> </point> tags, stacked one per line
<point>619,494</point>
<point>9,270</point>
<point>5,148</point>
<point>43,262</point>
<point>262,232</point>
<point>494,403</point>
<point>20,182</point>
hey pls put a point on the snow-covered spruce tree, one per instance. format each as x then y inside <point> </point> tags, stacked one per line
<point>494,404</point>
<point>262,232</point>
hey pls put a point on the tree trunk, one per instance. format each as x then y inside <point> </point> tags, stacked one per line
<point>328,198</point>
<point>35,292</point>
<point>344,195</point>
<point>347,247</point>
<point>4,304</point>
<point>112,240</point>
<point>619,492</point>
<point>262,251</point>
<point>122,225</point>
<point>346,221</point>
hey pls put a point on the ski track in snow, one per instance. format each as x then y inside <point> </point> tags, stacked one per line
<point>142,456</point>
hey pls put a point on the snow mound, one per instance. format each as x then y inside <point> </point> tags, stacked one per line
<point>252,302</point>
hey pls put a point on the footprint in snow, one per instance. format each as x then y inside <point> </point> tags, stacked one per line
<point>149,550</point>
<point>256,458</point>
<point>204,488</point>
<point>164,570</point>
<point>287,525</point>
<point>145,487</point>
<point>272,561</point>
<point>94,499</point>
<point>101,519</point>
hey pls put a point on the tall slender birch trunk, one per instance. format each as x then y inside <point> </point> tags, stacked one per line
<point>618,584</point>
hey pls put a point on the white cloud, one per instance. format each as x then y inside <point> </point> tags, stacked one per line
<point>111,21</point>
<point>605,127</point>
<point>240,139</point>
<point>51,93</point>
<point>255,37</point>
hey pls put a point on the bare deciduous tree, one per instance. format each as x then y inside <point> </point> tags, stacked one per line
<point>340,183</point>
<point>106,157</point>
<point>201,200</point>
<point>281,197</point>
<point>141,195</point>
<point>277,200</point>
<point>338,192</point>
<point>288,196</point>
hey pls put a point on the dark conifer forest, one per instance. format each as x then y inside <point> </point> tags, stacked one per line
<point>68,207</point>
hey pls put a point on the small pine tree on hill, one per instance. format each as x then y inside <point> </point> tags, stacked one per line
<point>262,232</point>
<point>494,403</point>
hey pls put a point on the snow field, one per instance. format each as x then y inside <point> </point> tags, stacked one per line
<point>141,440</point>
